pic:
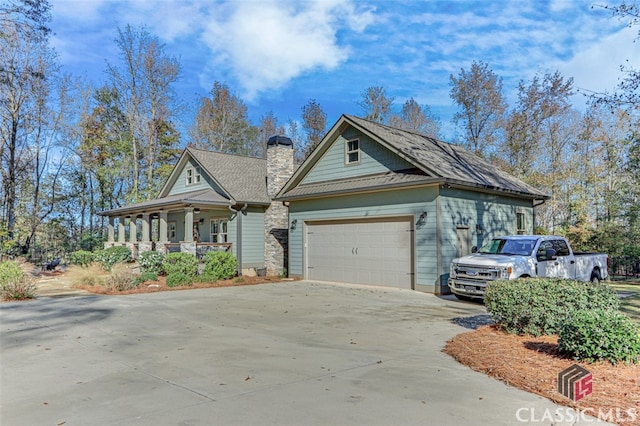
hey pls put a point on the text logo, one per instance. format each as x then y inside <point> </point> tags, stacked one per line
<point>575,382</point>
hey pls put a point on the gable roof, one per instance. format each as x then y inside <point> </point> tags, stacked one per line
<point>241,179</point>
<point>437,161</point>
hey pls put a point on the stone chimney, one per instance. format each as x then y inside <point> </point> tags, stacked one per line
<point>276,217</point>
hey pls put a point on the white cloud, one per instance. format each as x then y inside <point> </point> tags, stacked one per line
<point>266,44</point>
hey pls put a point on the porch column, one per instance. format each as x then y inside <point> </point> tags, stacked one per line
<point>145,244</point>
<point>111,230</point>
<point>163,231</point>
<point>121,234</point>
<point>133,232</point>
<point>188,245</point>
<point>188,225</point>
<point>146,226</point>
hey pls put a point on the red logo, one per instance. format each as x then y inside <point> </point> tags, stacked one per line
<point>575,382</point>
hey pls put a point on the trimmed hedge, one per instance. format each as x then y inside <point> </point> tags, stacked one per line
<point>151,261</point>
<point>600,334</point>
<point>219,265</point>
<point>113,255</point>
<point>180,262</point>
<point>82,258</point>
<point>541,305</point>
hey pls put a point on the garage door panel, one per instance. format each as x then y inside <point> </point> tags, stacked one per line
<point>377,253</point>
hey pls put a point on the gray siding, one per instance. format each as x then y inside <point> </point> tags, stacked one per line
<point>367,206</point>
<point>180,185</point>
<point>253,238</point>
<point>374,158</point>
<point>496,214</point>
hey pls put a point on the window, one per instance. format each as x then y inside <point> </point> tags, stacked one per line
<point>521,226</point>
<point>193,176</point>
<point>561,247</point>
<point>171,231</point>
<point>219,230</point>
<point>352,151</point>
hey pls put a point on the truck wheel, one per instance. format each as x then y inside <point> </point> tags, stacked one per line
<point>595,278</point>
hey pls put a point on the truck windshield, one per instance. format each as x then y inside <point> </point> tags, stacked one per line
<point>508,247</point>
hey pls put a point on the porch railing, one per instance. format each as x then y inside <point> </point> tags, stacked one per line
<point>201,248</point>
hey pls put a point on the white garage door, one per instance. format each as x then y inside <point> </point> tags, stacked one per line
<point>377,253</point>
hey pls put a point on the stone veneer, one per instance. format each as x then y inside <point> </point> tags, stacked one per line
<point>276,217</point>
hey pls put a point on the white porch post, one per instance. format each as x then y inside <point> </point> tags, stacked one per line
<point>188,224</point>
<point>121,234</point>
<point>163,231</point>
<point>188,245</point>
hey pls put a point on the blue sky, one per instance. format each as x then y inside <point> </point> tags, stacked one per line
<point>276,55</point>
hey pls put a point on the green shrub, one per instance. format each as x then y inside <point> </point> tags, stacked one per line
<point>10,272</point>
<point>151,261</point>
<point>180,262</point>
<point>147,276</point>
<point>219,265</point>
<point>14,283</point>
<point>540,305</point>
<point>122,279</point>
<point>176,279</point>
<point>600,334</point>
<point>82,258</point>
<point>112,255</point>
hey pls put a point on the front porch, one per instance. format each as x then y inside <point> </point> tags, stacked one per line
<point>166,232</point>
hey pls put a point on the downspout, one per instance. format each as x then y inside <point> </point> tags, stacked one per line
<point>533,212</point>
<point>238,236</point>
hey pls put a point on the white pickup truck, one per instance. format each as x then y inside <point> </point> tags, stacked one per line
<point>521,256</point>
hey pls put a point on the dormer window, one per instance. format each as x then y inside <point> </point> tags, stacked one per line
<point>193,176</point>
<point>352,151</point>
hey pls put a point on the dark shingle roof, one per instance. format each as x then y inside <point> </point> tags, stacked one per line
<point>445,160</point>
<point>242,178</point>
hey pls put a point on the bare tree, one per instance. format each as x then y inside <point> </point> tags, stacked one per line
<point>26,68</point>
<point>222,124</point>
<point>376,104</point>
<point>314,123</point>
<point>478,93</point>
<point>417,119</point>
<point>143,82</point>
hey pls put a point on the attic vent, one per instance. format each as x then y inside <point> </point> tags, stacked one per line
<point>279,140</point>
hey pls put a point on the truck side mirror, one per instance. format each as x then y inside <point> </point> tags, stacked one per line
<point>549,254</point>
<point>474,249</point>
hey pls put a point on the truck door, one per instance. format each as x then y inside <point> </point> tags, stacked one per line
<point>563,266</point>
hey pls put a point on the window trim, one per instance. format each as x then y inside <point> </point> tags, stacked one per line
<point>192,176</point>
<point>348,152</point>
<point>219,221</point>
<point>521,230</point>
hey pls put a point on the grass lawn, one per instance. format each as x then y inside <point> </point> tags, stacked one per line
<point>630,298</point>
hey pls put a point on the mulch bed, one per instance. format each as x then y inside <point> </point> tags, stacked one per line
<point>533,363</point>
<point>161,285</point>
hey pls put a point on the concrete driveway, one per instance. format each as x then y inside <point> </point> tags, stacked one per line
<point>294,353</point>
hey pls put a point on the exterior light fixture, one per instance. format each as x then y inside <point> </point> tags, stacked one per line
<point>479,229</point>
<point>294,223</point>
<point>422,219</point>
<point>196,211</point>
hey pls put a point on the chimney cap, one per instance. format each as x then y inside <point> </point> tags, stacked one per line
<point>279,140</point>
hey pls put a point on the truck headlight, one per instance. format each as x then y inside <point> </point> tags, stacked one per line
<point>506,272</point>
<point>452,269</point>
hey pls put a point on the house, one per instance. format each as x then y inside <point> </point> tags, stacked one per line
<point>377,205</point>
<point>214,201</point>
